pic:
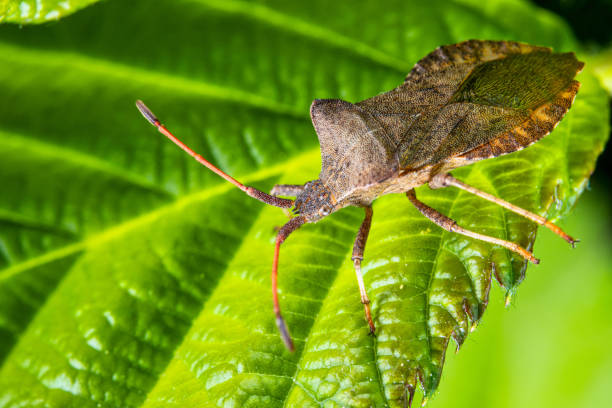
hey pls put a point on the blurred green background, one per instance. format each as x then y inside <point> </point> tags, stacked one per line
<point>550,348</point>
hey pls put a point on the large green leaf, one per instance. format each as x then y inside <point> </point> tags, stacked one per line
<point>131,276</point>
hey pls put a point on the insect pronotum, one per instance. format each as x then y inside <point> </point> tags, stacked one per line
<point>460,104</point>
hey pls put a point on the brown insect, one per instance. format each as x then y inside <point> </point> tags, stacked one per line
<point>460,104</point>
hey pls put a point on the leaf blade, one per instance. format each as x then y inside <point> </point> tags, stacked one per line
<point>263,102</point>
<point>36,12</point>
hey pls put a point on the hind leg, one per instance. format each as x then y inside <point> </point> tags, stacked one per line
<point>450,225</point>
<point>445,180</point>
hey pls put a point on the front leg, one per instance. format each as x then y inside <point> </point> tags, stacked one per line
<point>358,248</point>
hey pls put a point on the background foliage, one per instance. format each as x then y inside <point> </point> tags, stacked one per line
<point>133,277</point>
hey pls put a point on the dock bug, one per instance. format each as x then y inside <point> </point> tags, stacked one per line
<point>460,104</point>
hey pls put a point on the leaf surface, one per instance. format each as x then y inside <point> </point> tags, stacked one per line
<point>131,276</point>
<point>39,11</point>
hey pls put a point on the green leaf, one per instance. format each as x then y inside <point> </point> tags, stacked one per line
<point>602,67</point>
<point>134,277</point>
<point>39,11</point>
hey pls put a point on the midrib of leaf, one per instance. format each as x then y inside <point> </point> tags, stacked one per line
<point>150,217</point>
<point>306,29</point>
<point>105,68</point>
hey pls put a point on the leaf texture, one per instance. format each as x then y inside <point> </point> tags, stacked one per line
<point>133,277</point>
<point>39,11</point>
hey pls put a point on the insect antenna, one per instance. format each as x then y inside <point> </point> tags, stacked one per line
<point>283,233</point>
<point>252,192</point>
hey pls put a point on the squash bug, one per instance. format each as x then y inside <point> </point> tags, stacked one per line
<point>460,104</point>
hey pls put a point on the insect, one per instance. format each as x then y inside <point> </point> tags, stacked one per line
<point>460,104</point>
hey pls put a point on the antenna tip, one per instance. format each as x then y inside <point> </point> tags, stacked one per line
<point>146,112</point>
<point>284,332</point>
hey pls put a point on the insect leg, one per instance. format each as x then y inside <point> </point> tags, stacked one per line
<point>283,233</point>
<point>445,180</point>
<point>250,191</point>
<point>358,248</point>
<point>450,225</point>
<point>287,190</point>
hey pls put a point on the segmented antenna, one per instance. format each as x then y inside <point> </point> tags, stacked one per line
<point>146,112</point>
<point>283,233</point>
<point>252,192</point>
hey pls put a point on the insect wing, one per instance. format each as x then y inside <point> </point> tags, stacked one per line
<point>476,99</point>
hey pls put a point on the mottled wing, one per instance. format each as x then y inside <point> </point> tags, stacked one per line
<point>355,149</point>
<point>476,99</point>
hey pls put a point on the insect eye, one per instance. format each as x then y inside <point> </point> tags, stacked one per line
<point>324,211</point>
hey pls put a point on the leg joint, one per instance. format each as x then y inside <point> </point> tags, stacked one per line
<point>439,181</point>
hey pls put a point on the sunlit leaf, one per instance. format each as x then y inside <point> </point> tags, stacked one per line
<point>131,276</point>
<point>38,11</point>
